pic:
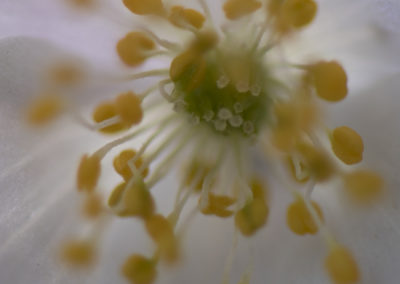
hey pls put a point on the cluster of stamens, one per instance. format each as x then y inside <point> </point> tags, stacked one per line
<point>225,98</point>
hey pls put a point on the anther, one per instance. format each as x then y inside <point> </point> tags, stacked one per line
<point>363,186</point>
<point>330,80</point>
<point>299,219</point>
<point>128,107</point>
<point>341,265</point>
<point>78,253</point>
<point>182,17</point>
<point>44,110</point>
<point>347,145</point>
<point>148,7</point>
<point>88,173</point>
<point>235,9</point>
<point>134,48</point>
<point>139,270</point>
<point>121,164</point>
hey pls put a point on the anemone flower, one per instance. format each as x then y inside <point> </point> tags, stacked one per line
<point>235,141</point>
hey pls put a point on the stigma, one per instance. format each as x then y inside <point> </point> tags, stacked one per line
<point>226,90</point>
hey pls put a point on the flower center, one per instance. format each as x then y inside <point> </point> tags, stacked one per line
<point>220,89</point>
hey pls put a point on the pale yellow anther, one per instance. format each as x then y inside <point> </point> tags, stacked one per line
<point>88,173</point>
<point>138,269</point>
<point>145,7</point>
<point>364,185</point>
<point>300,220</point>
<point>218,205</point>
<point>121,164</point>
<point>116,195</point>
<point>347,145</point>
<point>298,13</point>
<point>106,111</point>
<point>134,48</point>
<point>161,231</point>
<point>192,170</point>
<point>316,162</point>
<point>235,9</point>
<point>92,206</point>
<point>128,107</point>
<point>65,74</point>
<point>182,17</point>
<point>138,201</point>
<point>191,64</point>
<point>254,214</point>
<point>44,110</point>
<point>330,80</point>
<point>341,265</point>
<point>78,253</point>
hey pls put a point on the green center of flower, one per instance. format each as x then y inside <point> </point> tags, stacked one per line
<point>221,89</point>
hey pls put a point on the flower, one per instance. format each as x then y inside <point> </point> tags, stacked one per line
<point>233,92</point>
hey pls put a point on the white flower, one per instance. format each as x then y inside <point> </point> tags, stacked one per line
<point>277,73</point>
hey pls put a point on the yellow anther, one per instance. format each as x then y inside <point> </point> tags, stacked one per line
<point>341,265</point>
<point>92,206</point>
<point>292,118</point>
<point>191,64</point>
<point>316,162</point>
<point>182,17</point>
<point>139,270</point>
<point>44,109</point>
<point>347,145</point>
<point>298,13</point>
<point>330,80</point>
<point>128,107</point>
<point>204,41</point>
<point>121,164</point>
<point>106,111</point>
<point>137,201</point>
<point>88,173</point>
<point>116,195</point>
<point>65,74</point>
<point>254,214</point>
<point>134,48</point>
<point>235,9</point>
<point>78,253</point>
<point>364,185</point>
<point>162,232</point>
<point>299,219</point>
<point>145,7</point>
<point>192,170</point>
<point>217,205</point>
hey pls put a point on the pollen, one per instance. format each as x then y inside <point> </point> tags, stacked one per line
<point>139,270</point>
<point>44,110</point>
<point>88,173</point>
<point>183,17</point>
<point>341,266</point>
<point>138,201</point>
<point>330,80</point>
<point>255,213</point>
<point>235,9</point>
<point>218,206</point>
<point>92,207</point>
<point>128,107</point>
<point>298,13</point>
<point>364,186</point>
<point>299,218</point>
<point>149,7</point>
<point>135,48</point>
<point>78,253</point>
<point>347,145</point>
<point>103,113</point>
<point>121,164</point>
